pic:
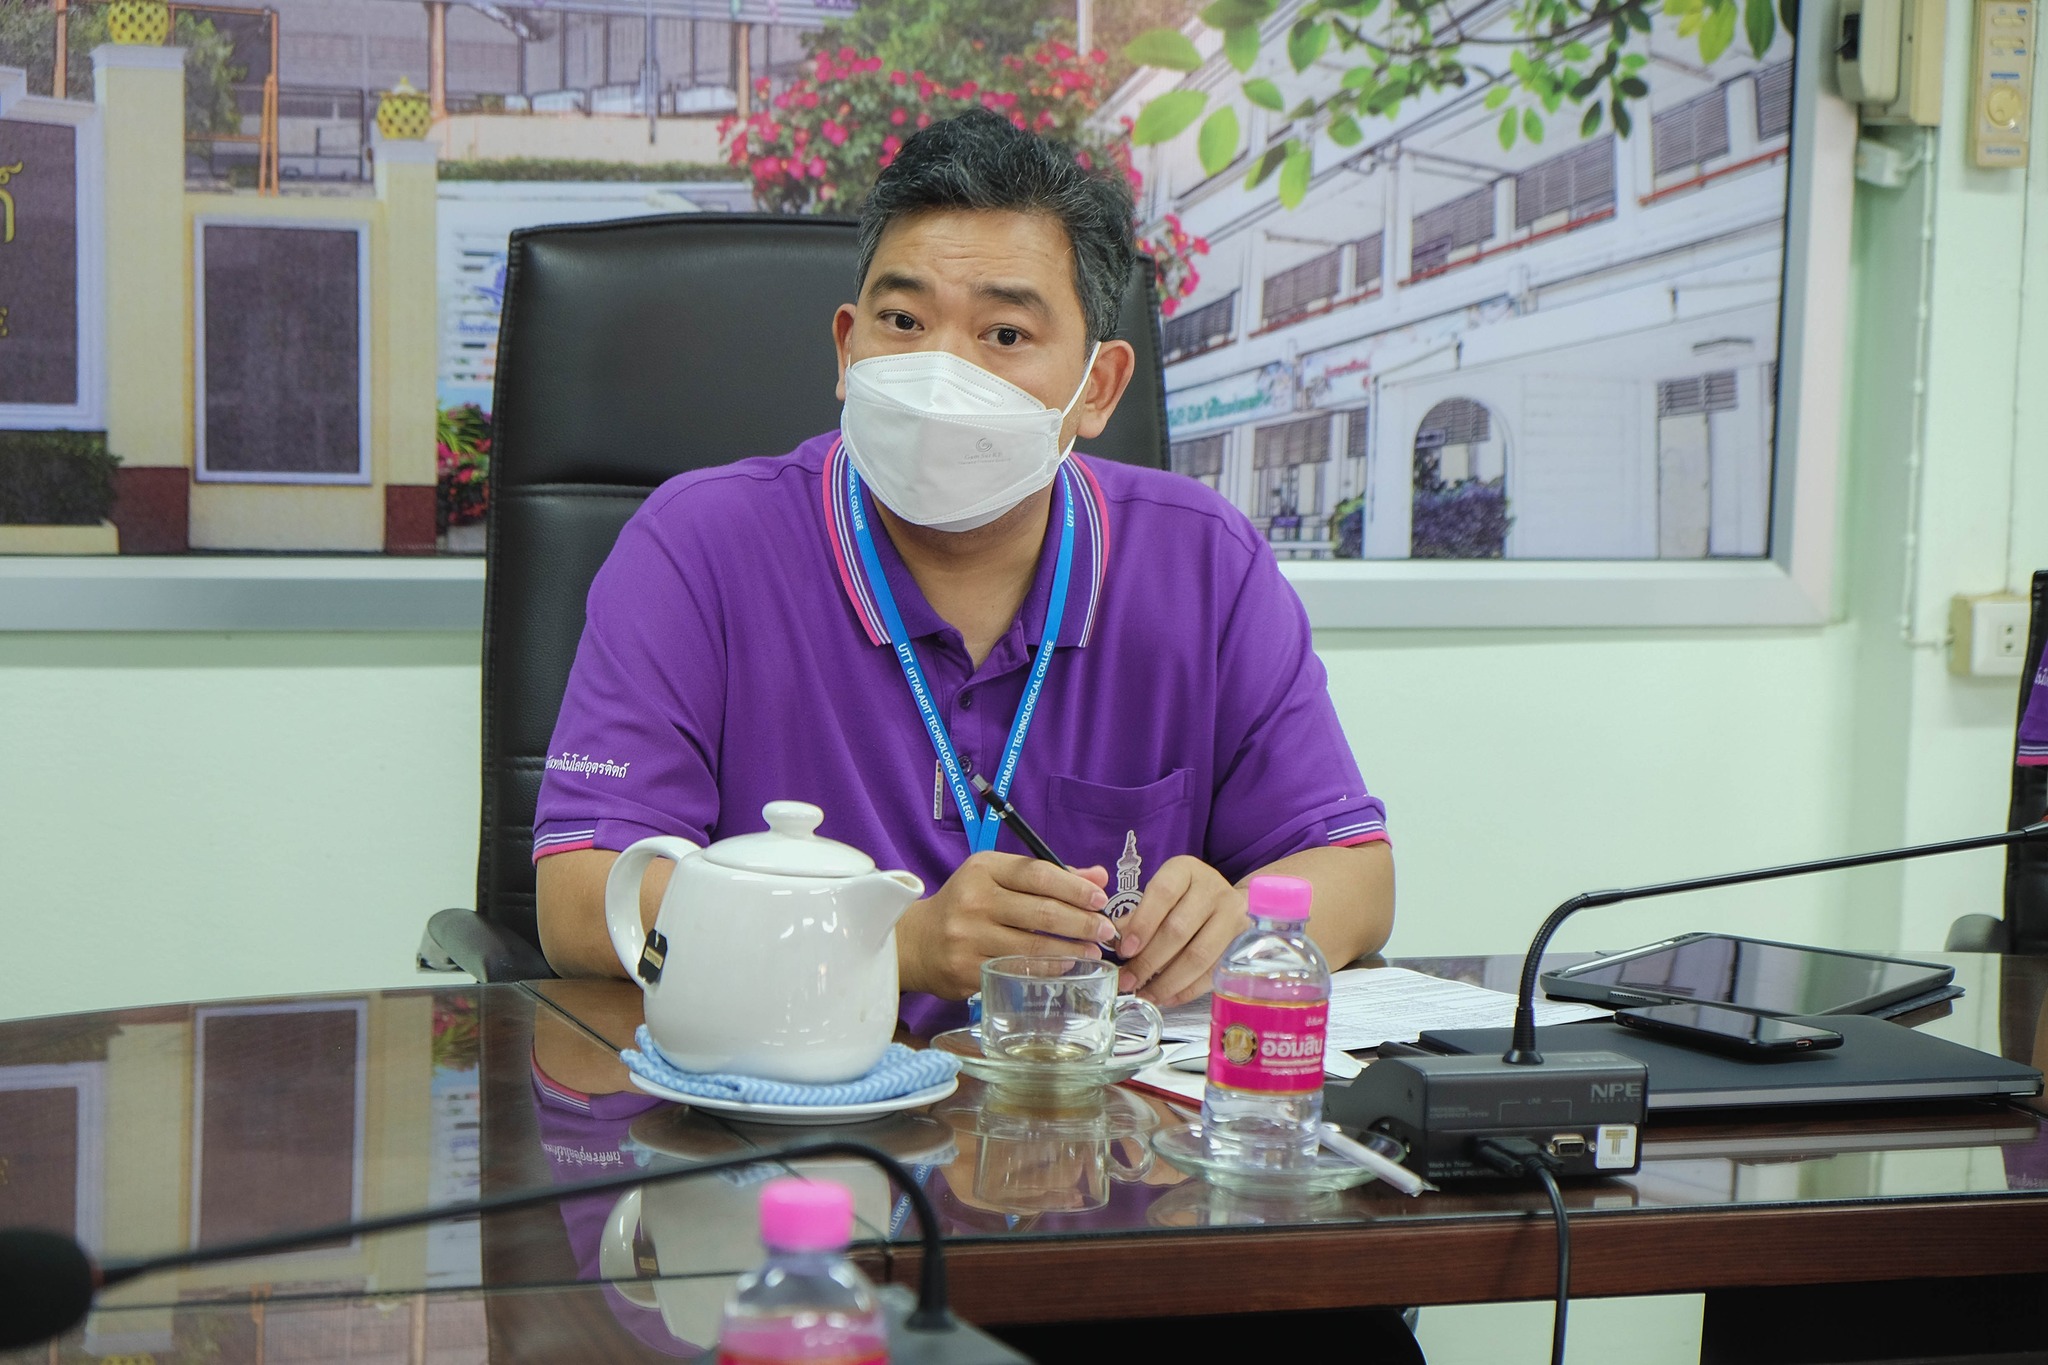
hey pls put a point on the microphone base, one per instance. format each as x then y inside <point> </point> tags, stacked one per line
<point>1581,1108</point>
<point>962,1343</point>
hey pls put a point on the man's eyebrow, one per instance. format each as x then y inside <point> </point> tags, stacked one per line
<point>1017,295</point>
<point>898,281</point>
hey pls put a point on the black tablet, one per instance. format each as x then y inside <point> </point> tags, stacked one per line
<point>1751,974</point>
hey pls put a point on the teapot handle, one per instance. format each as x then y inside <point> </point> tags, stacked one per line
<point>622,895</point>
<point>615,1259</point>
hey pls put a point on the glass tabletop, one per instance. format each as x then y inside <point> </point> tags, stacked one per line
<point>144,1132</point>
<point>1011,1168</point>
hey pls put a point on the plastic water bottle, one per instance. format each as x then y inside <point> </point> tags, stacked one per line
<point>809,1303</point>
<point>1263,1101</point>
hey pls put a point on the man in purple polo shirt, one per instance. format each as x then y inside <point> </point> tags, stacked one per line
<point>861,624</point>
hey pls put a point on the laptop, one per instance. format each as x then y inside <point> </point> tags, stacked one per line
<point>1879,1062</point>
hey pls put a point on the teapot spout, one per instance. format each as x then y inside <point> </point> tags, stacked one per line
<point>878,900</point>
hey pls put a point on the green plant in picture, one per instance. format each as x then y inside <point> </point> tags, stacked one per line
<point>28,39</point>
<point>1577,63</point>
<point>820,142</point>
<point>462,466</point>
<point>457,1039</point>
<point>957,40</point>
<point>56,478</point>
<point>1173,249</point>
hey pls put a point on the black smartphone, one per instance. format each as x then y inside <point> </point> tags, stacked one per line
<point>1728,1030</point>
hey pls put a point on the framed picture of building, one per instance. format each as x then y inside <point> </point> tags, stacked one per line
<point>1479,323</point>
<point>1549,334</point>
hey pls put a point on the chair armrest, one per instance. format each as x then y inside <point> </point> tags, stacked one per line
<point>486,951</point>
<point>1976,934</point>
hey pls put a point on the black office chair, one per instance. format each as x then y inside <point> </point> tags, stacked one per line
<point>2025,926</point>
<point>630,352</point>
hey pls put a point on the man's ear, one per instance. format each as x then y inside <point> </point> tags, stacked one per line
<point>842,328</point>
<point>1114,365</point>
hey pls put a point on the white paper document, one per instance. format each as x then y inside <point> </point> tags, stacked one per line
<point>1374,1005</point>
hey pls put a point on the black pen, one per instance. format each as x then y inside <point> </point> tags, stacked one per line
<point>1007,813</point>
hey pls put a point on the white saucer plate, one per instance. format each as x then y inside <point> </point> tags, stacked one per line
<point>803,1115</point>
<point>1050,1077</point>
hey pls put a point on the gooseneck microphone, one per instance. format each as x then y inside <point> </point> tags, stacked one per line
<point>1579,1110</point>
<point>48,1282</point>
<point>1522,1049</point>
<point>1520,1117</point>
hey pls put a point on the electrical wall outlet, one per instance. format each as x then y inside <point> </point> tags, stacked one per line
<point>1987,635</point>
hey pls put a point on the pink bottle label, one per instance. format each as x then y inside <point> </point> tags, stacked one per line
<point>1267,1047</point>
<point>852,1355</point>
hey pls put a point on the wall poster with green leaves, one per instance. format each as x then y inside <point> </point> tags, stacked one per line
<point>1477,281</point>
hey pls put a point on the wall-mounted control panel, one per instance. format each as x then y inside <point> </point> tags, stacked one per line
<point>2002,88</point>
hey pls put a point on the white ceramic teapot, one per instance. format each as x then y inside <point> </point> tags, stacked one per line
<point>773,954</point>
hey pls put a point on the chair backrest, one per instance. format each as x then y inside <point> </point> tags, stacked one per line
<point>630,352</point>
<point>2026,865</point>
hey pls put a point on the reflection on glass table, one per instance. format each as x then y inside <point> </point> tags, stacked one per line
<point>142,1132</point>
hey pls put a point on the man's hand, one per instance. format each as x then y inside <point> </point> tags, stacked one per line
<point>1188,916</point>
<point>995,904</point>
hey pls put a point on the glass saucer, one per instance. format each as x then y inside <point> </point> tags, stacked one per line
<point>1040,1077</point>
<point>1182,1147</point>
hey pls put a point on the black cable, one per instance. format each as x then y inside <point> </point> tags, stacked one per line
<point>1520,1156</point>
<point>931,1313</point>
<point>1564,1259</point>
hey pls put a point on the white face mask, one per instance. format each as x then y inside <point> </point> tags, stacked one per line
<point>944,443</point>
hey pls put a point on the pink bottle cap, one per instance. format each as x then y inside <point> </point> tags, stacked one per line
<point>1278,897</point>
<point>806,1215</point>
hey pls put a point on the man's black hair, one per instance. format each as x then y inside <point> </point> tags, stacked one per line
<point>980,160</point>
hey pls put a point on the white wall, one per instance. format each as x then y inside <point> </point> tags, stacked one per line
<point>192,816</point>
<point>185,817</point>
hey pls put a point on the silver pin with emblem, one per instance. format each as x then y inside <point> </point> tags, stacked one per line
<point>1128,869</point>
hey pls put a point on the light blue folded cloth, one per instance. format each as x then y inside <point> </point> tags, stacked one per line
<point>900,1072</point>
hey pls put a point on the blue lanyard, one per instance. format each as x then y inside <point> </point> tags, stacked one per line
<point>981,830</point>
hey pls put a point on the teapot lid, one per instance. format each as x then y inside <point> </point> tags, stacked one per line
<point>790,846</point>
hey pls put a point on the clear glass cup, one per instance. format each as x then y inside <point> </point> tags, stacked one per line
<point>1061,1010</point>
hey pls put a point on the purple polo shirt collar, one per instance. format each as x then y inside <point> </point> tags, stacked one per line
<point>1090,569</point>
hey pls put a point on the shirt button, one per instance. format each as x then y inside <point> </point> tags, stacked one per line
<point>967,701</point>
<point>966,764</point>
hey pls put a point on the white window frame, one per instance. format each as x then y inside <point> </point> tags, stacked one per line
<point>89,412</point>
<point>200,471</point>
<point>1794,585</point>
<point>89,1079</point>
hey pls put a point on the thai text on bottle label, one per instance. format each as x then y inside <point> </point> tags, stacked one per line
<point>1267,1047</point>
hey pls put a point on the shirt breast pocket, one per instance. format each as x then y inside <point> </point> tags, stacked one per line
<point>1129,830</point>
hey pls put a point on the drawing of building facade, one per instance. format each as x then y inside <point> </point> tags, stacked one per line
<point>1566,349</point>
<point>596,65</point>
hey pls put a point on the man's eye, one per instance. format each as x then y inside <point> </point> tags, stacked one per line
<point>1007,336</point>
<point>902,322</point>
